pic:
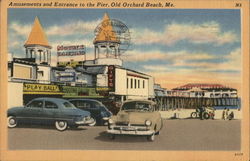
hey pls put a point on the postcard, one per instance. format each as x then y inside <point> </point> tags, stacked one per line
<point>124,80</point>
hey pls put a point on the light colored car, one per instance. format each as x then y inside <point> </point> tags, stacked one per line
<point>136,117</point>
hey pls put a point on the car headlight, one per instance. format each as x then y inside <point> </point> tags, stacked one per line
<point>111,121</point>
<point>148,123</point>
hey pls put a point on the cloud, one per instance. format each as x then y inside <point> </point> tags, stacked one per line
<point>141,56</point>
<point>209,32</point>
<point>20,29</point>
<point>69,28</point>
<point>227,72</point>
<point>175,79</point>
<point>232,62</point>
<point>18,34</point>
<point>72,28</point>
<point>177,56</point>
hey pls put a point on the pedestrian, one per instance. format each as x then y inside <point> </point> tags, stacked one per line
<point>201,112</point>
<point>227,114</point>
<point>231,116</point>
<point>224,114</point>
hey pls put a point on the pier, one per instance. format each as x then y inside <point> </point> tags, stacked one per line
<point>169,102</point>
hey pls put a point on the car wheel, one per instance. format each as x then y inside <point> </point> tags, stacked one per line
<point>93,124</point>
<point>12,122</point>
<point>206,115</point>
<point>151,137</point>
<point>193,115</point>
<point>61,125</point>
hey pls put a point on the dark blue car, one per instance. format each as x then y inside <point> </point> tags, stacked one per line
<point>98,111</point>
<point>58,112</point>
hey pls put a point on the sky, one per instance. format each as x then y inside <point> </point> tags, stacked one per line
<point>175,46</point>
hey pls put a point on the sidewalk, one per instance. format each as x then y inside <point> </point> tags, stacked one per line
<point>185,113</point>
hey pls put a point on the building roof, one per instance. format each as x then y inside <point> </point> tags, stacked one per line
<point>92,69</point>
<point>37,35</point>
<point>201,86</point>
<point>106,32</point>
<point>28,61</point>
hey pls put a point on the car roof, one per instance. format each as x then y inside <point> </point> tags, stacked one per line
<point>146,101</point>
<point>84,99</point>
<point>51,99</point>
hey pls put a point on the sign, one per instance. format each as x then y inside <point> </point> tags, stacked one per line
<point>111,77</point>
<point>99,89</point>
<point>41,89</point>
<point>70,63</point>
<point>66,76</point>
<point>80,92</point>
<point>73,50</point>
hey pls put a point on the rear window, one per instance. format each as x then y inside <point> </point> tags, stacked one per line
<point>68,105</point>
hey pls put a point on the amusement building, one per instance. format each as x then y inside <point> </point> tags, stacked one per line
<point>103,78</point>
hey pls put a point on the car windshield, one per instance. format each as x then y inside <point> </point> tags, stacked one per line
<point>68,105</point>
<point>137,106</point>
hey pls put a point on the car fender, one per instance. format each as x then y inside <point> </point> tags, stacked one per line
<point>14,111</point>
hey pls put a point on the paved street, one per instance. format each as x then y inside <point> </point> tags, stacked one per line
<point>185,134</point>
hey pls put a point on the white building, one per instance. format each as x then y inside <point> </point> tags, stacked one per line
<point>205,91</point>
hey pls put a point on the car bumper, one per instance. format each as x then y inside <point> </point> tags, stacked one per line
<point>105,120</point>
<point>86,122</point>
<point>130,131</point>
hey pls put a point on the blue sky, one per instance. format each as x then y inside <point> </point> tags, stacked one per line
<point>176,46</point>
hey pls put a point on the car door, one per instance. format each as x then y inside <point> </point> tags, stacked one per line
<point>87,106</point>
<point>94,109</point>
<point>50,112</point>
<point>32,112</point>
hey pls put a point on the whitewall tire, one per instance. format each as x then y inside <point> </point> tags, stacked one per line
<point>61,125</point>
<point>12,122</point>
<point>93,123</point>
<point>151,137</point>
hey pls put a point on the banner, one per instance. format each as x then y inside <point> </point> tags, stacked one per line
<point>73,50</point>
<point>40,88</point>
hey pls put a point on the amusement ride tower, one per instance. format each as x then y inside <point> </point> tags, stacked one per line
<point>112,38</point>
<point>37,45</point>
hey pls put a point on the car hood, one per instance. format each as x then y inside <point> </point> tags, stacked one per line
<point>134,117</point>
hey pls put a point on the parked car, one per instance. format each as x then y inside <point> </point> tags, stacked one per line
<point>55,111</point>
<point>98,111</point>
<point>136,117</point>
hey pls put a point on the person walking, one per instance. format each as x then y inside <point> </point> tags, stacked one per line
<point>227,114</point>
<point>224,114</point>
<point>202,109</point>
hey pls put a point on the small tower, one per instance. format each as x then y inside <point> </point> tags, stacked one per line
<point>107,44</point>
<point>37,45</point>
